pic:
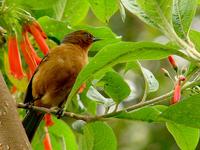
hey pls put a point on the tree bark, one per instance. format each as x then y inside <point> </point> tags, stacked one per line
<point>12,133</point>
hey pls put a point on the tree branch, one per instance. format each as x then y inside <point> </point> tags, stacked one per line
<point>53,111</point>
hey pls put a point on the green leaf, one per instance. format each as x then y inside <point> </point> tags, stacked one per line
<point>59,9</point>
<point>87,102</point>
<point>61,130</point>
<point>153,84</point>
<point>98,136</point>
<point>158,10</point>
<point>115,86</point>
<point>185,112</point>
<point>33,4</point>
<point>149,113</point>
<point>52,27</point>
<point>119,53</point>
<point>182,15</point>
<point>61,136</point>
<point>104,9</point>
<point>186,137</point>
<point>75,11</point>
<point>55,11</point>
<point>133,66</point>
<point>195,38</point>
<point>132,6</point>
<point>37,142</point>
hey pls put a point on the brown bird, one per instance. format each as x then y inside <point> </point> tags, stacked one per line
<point>55,76</point>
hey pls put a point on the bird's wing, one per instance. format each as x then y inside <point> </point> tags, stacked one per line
<point>28,95</point>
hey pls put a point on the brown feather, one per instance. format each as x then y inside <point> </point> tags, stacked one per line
<point>55,77</point>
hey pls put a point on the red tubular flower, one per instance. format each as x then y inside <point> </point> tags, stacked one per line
<point>48,120</point>
<point>37,25</point>
<point>177,93</point>
<point>173,63</point>
<point>47,140</point>
<point>28,57</point>
<point>30,48</point>
<point>14,58</point>
<point>39,37</point>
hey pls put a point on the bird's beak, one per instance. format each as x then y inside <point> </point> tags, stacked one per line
<point>96,39</point>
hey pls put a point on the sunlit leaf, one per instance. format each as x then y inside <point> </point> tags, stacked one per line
<point>132,6</point>
<point>158,10</point>
<point>103,9</point>
<point>195,38</point>
<point>61,136</point>
<point>185,112</point>
<point>33,4</point>
<point>183,13</point>
<point>186,138</point>
<point>98,136</point>
<point>75,11</point>
<point>115,86</point>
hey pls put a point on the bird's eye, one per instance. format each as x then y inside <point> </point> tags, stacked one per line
<point>87,35</point>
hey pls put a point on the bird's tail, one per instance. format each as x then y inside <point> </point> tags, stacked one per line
<point>31,122</point>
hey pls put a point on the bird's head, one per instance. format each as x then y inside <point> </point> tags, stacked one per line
<point>82,38</point>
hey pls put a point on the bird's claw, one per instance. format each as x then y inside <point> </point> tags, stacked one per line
<point>60,113</point>
<point>29,105</point>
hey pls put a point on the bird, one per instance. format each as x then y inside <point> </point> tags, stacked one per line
<point>54,77</point>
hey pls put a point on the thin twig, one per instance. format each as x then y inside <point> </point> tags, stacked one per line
<point>68,114</point>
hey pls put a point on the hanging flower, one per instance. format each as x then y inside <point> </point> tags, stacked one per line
<point>39,35</point>
<point>31,49</point>
<point>177,93</point>
<point>28,57</point>
<point>173,63</point>
<point>14,58</point>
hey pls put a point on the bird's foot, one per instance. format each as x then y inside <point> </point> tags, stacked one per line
<point>29,105</point>
<point>60,113</point>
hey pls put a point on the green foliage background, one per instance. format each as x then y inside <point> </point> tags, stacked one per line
<point>126,52</point>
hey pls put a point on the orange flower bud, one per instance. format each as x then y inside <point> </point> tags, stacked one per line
<point>173,63</point>
<point>14,58</point>
<point>177,94</point>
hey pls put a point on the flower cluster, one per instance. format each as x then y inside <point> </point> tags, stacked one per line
<point>179,78</point>
<point>30,56</point>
